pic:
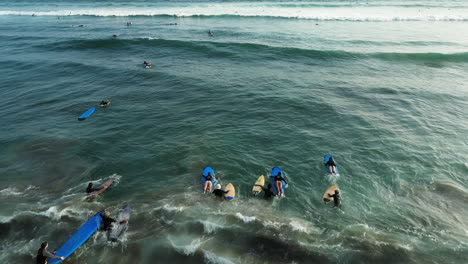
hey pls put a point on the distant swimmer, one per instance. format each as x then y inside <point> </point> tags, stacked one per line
<point>218,191</point>
<point>208,183</point>
<point>43,254</point>
<point>171,24</point>
<point>91,189</point>
<point>105,103</point>
<point>33,14</point>
<point>147,64</point>
<point>332,165</point>
<point>129,24</point>
<point>279,183</point>
<point>77,26</point>
<point>210,33</point>
<point>268,192</point>
<point>336,198</point>
<point>115,35</point>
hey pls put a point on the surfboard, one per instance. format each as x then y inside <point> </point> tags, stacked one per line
<point>205,172</point>
<point>78,238</point>
<point>331,191</point>
<point>325,160</point>
<point>275,172</point>
<point>86,114</point>
<point>258,189</point>
<point>119,228</point>
<point>102,188</point>
<point>231,192</point>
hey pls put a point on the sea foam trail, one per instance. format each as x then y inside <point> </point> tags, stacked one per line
<point>325,13</point>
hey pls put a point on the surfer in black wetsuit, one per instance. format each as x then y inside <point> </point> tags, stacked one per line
<point>105,102</point>
<point>208,183</point>
<point>90,188</point>
<point>107,220</point>
<point>279,183</point>
<point>331,165</point>
<point>268,192</point>
<point>336,198</point>
<point>218,192</point>
<point>43,254</point>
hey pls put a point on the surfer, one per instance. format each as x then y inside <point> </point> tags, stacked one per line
<point>90,188</point>
<point>336,198</point>
<point>268,192</point>
<point>43,254</point>
<point>115,35</point>
<point>129,23</point>
<point>208,183</point>
<point>147,64</point>
<point>331,165</point>
<point>279,183</point>
<point>210,33</point>
<point>105,103</point>
<point>218,191</point>
<point>107,220</point>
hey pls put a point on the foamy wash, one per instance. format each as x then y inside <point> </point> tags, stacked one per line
<point>382,86</point>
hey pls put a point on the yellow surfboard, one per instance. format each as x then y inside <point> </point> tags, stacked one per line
<point>330,191</point>
<point>258,185</point>
<point>231,192</point>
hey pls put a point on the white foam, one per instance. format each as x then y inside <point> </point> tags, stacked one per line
<point>55,213</point>
<point>209,227</point>
<point>10,191</point>
<point>245,219</point>
<point>211,258</point>
<point>301,227</point>
<point>186,249</point>
<point>173,208</point>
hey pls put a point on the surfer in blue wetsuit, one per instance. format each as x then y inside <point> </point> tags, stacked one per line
<point>331,165</point>
<point>43,254</point>
<point>218,191</point>
<point>279,183</point>
<point>336,198</point>
<point>208,183</point>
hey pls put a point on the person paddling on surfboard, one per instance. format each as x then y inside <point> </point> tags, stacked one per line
<point>336,198</point>
<point>279,183</point>
<point>331,165</point>
<point>43,254</point>
<point>208,184</point>
<point>90,188</point>
<point>218,191</point>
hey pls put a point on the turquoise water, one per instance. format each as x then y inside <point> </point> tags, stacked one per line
<point>380,85</point>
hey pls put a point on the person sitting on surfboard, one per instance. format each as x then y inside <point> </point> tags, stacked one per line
<point>218,191</point>
<point>279,183</point>
<point>43,254</point>
<point>331,165</point>
<point>268,192</point>
<point>336,198</point>
<point>208,183</point>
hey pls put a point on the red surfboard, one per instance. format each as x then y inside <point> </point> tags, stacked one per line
<point>101,189</point>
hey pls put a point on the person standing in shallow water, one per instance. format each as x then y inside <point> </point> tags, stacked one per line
<point>43,254</point>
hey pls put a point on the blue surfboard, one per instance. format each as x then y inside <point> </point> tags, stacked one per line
<point>86,114</point>
<point>78,238</point>
<point>275,172</point>
<point>325,160</point>
<point>205,173</point>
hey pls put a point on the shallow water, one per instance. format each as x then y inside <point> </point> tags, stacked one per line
<point>381,86</point>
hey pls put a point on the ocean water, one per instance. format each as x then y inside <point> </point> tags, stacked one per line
<point>381,85</point>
